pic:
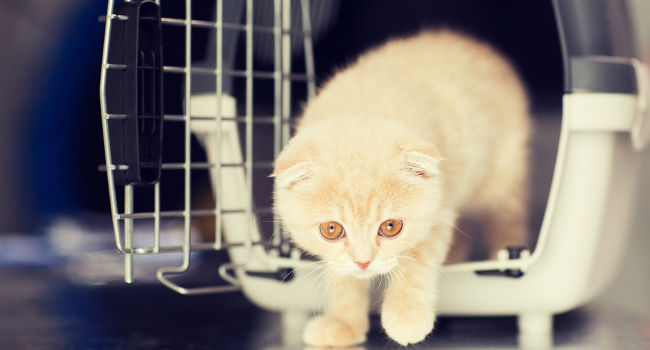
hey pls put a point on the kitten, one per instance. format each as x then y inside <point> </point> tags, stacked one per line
<point>392,150</point>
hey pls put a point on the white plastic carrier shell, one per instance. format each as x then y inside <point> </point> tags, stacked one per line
<point>578,250</point>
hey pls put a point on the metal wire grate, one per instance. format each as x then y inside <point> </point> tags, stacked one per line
<point>213,126</point>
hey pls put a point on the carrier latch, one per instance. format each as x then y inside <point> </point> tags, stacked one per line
<point>510,253</point>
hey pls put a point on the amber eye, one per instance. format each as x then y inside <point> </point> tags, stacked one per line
<point>390,227</point>
<point>331,230</point>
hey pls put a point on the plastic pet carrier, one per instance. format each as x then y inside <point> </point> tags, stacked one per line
<point>211,130</point>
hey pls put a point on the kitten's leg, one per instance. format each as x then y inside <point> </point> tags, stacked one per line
<point>345,321</point>
<point>408,311</point>
<point>461,245</point>
<point>506,216</point>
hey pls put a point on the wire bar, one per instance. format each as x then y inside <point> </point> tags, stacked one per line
<point>194,165</point>
<point>188,135</point>
<point>187,164</point>
<point>286,83</point>
<point>128,233</point>
<point>179,248</point>
<point>156,217</point>
<point>240,119</point>
<point>308,49</point>
<point>114,167</point>
<point>114,66</point>
<point>249,124</point>
<point>218,198</point>
<point>228,72</point>
<point>182,213</point>
<point>205,165</point>
<point>114,116</point>
<point>286,68</point>
<point>107,143</point>
<point>219,24</point>
<point>276,237</point>
<point>115,17</point>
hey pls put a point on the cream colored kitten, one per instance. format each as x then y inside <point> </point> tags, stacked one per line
<point>387,156</point>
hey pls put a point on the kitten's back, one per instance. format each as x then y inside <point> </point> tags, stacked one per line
<point>448,88</point>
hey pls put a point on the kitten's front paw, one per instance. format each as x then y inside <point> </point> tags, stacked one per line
<point>329,331</point>
<point>407,324</point>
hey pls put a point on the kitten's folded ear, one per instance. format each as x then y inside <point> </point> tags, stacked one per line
<point>291,167</point>
<point>422,158</point>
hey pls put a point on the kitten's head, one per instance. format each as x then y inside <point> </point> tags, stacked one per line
<point>357,195</point>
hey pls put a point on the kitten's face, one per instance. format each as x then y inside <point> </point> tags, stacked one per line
<point>361,201</point>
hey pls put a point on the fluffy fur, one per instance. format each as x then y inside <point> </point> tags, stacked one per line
<point>422,129</point>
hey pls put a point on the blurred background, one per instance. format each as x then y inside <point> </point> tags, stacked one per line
<point>54,201</point>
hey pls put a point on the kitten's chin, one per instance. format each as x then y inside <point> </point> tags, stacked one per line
<point>364,274</point>
<point>361,274</point>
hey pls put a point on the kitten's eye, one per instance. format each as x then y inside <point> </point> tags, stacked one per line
<point>390,227</point>
<point>331,230</point>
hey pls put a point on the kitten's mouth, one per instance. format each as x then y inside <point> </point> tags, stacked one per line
<point>372,272</point>
<point>365,274</point>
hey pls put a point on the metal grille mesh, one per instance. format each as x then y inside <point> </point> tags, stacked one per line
<point>201,104</point>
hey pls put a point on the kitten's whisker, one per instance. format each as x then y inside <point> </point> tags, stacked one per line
<point>328,279</point>
<point>379,285</point>
<point>321,292</point>
<point>315,281</point>
<point>268,245</point>
<point>417,260</point>
<point>409,273</point>
<point>309,277</point>
<point>444,275</point>
<point>290,274</point>
<point>334,281</point>
<point>300,281</point>
<point>461,231</point>
<point>383,284</point>
<point>312,278</point>
<point>317,284</point>
<point>406,257</point>
<point>404,284</point>
<point>406,273</point>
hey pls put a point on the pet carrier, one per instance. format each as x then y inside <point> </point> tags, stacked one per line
<point>604,120</point>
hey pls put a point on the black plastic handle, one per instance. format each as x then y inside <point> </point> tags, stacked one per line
<point>134,90</point>
<point>282,275</point>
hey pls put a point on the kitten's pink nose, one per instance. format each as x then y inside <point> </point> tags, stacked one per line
<point>363,265</point>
